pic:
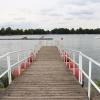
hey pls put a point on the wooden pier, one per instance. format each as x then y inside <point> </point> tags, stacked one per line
<point>47,79</point>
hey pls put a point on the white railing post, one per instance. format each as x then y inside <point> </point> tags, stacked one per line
<point>9,69</point>
<point>36,49</point>
<point>34,54</point>
<point>80,69</point>
<point>45,42</point>
<point>89,83</point>
<point>29,57</point>
<point>18,59</point>
<point>74,63</point>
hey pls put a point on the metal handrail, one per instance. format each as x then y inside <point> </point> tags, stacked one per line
<point>87,57</point>
<point>61,49</point>
<point>81,55</point>
<point>79,64</point>
<point>8,57</point>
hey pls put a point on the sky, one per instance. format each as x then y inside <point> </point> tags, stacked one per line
<point>49,14</point>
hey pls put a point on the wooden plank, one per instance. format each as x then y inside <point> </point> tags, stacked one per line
<point>47,79</point>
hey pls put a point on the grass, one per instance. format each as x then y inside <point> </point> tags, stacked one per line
<point>98,83</point>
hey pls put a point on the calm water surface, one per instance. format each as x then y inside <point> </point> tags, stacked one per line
<point>88,44</point>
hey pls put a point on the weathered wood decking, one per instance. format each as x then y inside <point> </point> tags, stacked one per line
<point>47,79</point>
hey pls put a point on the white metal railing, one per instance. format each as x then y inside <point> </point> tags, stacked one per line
<point>80,56</point>
<point>79,64</point>
<point>48,43</point>
<point>21,56</point>
<point>9,66</point>
<point>61,50</point>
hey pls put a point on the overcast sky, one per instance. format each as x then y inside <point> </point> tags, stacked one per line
<point>49,14</point>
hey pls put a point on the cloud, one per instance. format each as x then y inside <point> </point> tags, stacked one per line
<point>94,0</point>
<point>19,19</point>
<point>49,13</point>
<point>68,18</point>
<point>46,11</point>
<point>82,13</point>
<point>77,2</point>
<point>74,2</point>
<point>25,11</point>
<point>55,14</point>
<point>21,25</point>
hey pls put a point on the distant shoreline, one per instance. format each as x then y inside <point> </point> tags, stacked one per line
<point>56,31</point>
<point>29,39</point>
<point>46,34</point>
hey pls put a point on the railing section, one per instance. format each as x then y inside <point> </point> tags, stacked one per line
<point>14,63</point>
<point>76,57</point>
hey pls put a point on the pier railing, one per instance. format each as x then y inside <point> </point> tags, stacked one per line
<point>13,61</point>
<point>76,57</point>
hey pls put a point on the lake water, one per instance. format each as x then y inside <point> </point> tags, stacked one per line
<point>88,44</point>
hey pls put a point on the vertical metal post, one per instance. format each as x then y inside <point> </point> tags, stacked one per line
<point>80,69</point>
<point>36,49</point>
<point>45,42</point>
<point>74,63</point>
<point>9,69</point>
<point>18,59</point>
<point>29,57</point>
<point>34,54</point>
<point>64,57</point>
<point>89,83</point>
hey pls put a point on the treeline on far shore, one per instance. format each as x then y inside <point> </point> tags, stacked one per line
<point>9,31</point>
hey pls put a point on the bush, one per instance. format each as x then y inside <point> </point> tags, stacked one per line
<point>98,83</point>
<point>4,81</point>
